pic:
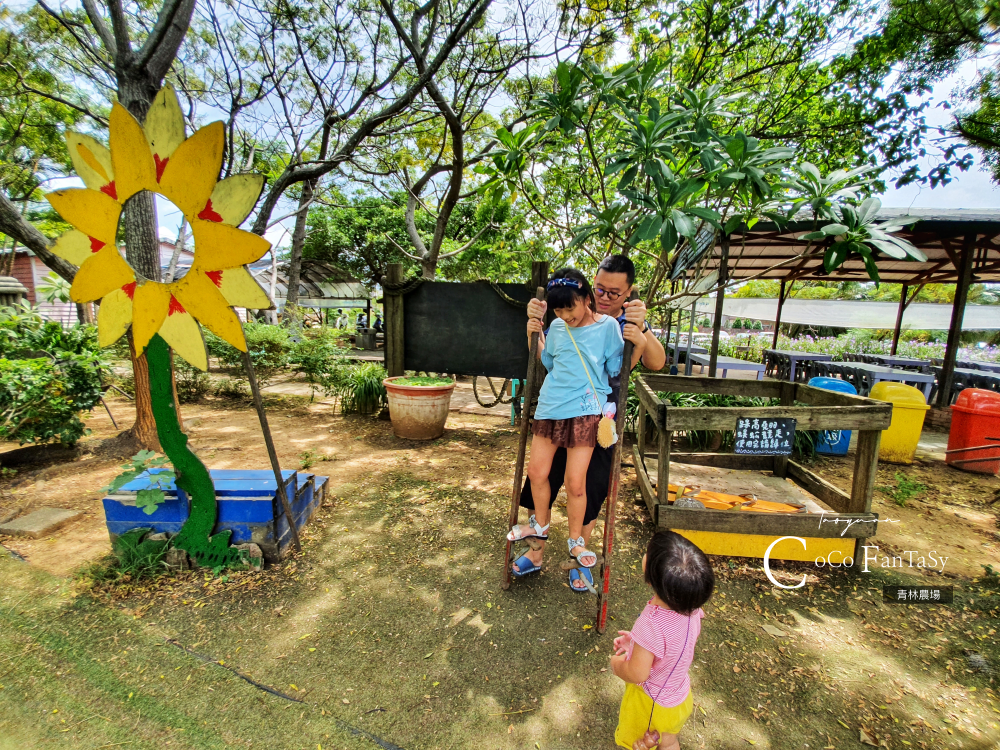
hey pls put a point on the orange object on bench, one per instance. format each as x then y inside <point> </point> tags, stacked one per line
<point>723,501</point>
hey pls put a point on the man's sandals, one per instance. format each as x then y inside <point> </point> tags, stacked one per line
<point>533,534</point>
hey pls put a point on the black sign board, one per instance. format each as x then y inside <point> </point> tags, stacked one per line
<point>764,437</point>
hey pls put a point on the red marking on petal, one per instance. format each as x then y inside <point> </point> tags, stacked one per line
<point>175,306</point>
<point>209,214</point>
<point>110,190</point>
<point>96,245</point>
<point>129,289</point>
<point>161,164</point>
<point>216,277</point>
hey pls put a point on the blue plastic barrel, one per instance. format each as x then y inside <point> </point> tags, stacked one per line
<point>833,442</point>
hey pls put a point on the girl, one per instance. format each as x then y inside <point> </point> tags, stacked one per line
<point>654,657</point>
<point>581,351</point>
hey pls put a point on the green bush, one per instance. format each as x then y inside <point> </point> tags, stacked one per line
<point>268,346</point>
<point>318,355</point>
<point>48,375</point>
<point>358,387</point>
<point>41,399</point>
<point>235,390</point>
<point>192,383</point>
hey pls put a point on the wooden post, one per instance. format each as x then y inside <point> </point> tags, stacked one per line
<point>522,446</point>
<point>640,429</point>
<point>271,453</point>
<point>865,469</point>
<point>720,299</point>
<point>663,469</point>
<point>899,319</point>
<point>613,484</point>
<point>687,357</point>
<point>787,399</point>
<point>393,322</point>
<point>957,311</point>
<point>777,321</point>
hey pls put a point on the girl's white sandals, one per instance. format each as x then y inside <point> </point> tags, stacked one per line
<point>579,542</point>
<point>532,531</point>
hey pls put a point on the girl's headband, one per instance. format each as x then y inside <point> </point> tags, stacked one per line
<point>564,282</point>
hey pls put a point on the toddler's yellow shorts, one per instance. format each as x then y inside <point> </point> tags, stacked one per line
<point>633,717</point>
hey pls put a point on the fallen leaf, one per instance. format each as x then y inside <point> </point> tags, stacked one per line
<point>866,739</point>
<point>776,632</point>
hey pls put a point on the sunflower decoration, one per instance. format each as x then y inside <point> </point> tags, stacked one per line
<point>159,158</point>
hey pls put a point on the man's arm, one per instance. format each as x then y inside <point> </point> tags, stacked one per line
<point>653,356</point>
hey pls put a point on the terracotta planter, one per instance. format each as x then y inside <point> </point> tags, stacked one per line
<point>418,412</point>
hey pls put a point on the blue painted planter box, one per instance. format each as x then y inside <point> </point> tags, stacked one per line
<point>247,504</point>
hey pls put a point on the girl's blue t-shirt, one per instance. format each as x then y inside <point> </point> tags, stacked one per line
<point>567,392</point>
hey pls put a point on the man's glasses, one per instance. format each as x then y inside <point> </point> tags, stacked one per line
<point>612,296</point>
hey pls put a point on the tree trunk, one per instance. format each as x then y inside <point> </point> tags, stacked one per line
<point>295,262</point>
<point>178,249</point>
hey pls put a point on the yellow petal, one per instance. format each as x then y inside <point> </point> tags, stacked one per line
<point>164,124</point>
<point>219,246</point>
<point>201,297</point>
<point>181,332</point>
<point>130,155</point>
<point>92,212</point>
<point>105,271</point>
<point>149,310</point>
<point>242,290</point>
<point>91,160</point>
<point>234,197</point>
<point>73,246</point>
<point>191,174</point>
<point>114,317</point>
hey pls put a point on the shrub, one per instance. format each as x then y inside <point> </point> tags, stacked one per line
<point>318,354</point>
<point>236,390</point>
<point>359,388</point>
<point>48,375</point>
<point>192,383</point>
<point>41,399</point>
<point>268,347</point>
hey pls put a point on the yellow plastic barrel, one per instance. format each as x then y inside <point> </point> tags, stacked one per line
<point>899,441</point>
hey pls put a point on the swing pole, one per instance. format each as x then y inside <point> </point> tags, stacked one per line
<point>616,470</point>
<point>522,446</point>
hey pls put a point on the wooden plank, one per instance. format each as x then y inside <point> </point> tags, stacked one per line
<point>865,469</point>
<point>663,465</point>
<point>645,486</point>
<point>724,461</point>
<point>807,418</point>
<point>807,394</point>
<point>822,526</point>
<point>722,386</point>
<point>651,401</point>
<point>640,428</point>
<point>394,323</point>
<point>828,493</point>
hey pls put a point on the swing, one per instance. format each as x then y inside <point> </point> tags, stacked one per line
<point>603,565</point>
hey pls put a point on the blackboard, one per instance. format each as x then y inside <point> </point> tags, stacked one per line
<point>466,329</point>
<point>764,437</point>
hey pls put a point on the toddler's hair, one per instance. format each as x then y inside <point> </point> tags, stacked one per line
<point>565,287</point>
<point>679,572</point>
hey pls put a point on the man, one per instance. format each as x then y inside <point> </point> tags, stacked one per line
<point>362,321</point>
<point>378,323</point>
<point>341,319</point>
<point>612,287</point>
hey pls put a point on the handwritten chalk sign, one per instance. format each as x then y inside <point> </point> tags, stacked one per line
<point>765,437</point>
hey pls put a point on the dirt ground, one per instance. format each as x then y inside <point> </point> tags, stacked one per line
<point>391,626</point>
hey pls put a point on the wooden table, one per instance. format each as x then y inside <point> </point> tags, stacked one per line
<point>925,380</point>
<point>987,366</point>
<point>729,363</point>
<point>891,360</point>
<point>675,351</point>
<point>792,358</point>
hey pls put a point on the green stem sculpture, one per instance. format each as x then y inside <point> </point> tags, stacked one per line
<point>195,536</point>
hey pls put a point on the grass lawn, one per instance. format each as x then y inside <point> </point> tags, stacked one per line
<point>391,630</point>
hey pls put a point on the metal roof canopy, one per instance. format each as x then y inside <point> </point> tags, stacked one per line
<point>940,234</point>
<point>321,285</point>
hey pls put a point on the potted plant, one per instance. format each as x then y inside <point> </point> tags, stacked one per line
<point>418,406</point>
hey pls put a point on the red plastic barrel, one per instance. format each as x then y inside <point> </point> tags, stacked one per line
<point>975,416</point>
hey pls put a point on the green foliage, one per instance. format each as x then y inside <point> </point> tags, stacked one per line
<point>307,459</point>
<point>318,354</point>
<point>358,387</point>
<point>269,347</point>
<point>149,499</point>
<point>135,557</point>
<point>192,384</point>
<point>234,390</point>
<point>25,333</point>
<point>903,489</point>
<point>423,380</point>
